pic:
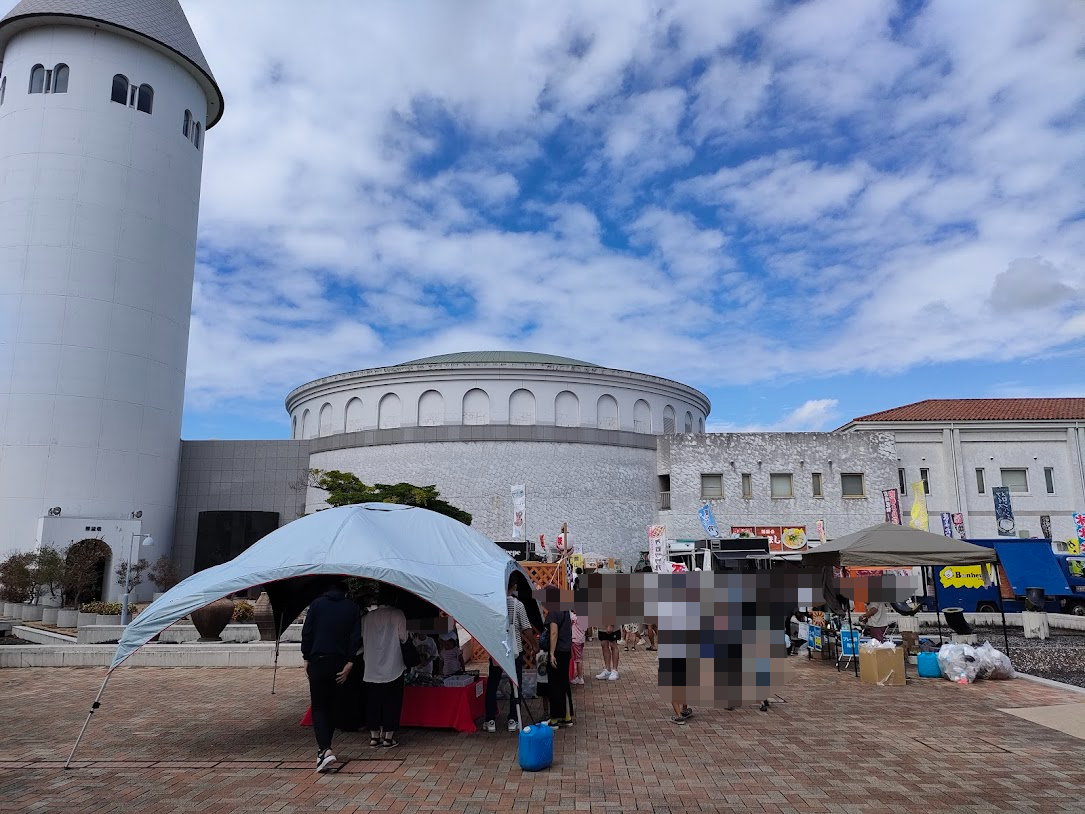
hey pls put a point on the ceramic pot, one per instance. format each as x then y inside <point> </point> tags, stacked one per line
<point>264,617</point>
<point>212,619</point>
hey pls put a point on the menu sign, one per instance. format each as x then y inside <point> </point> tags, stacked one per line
<point>781,538</point>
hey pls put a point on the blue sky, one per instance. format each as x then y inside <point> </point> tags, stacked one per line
<point>808,210</point>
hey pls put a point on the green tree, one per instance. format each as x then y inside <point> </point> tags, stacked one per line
<point>136,576</point>
<point>17,580</point>
<point>49,571</point>
<point>346,488</point>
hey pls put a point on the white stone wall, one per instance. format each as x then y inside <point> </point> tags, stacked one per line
<point>954,454</point>
<point>686,457</point>
<point>98,213</point>
<point>494,394</point>
<point>605,493</point>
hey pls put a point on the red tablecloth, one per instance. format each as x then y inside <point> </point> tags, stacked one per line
<point>438,707</point>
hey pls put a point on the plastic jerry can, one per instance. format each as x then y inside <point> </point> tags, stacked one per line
<point>536,747</point>
<point>928,666</point>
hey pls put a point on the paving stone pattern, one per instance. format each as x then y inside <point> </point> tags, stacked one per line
<point>182,740</point>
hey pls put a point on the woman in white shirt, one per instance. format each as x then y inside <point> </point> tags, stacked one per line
<point>383,630</point>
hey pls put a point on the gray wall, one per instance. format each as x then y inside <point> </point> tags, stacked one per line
<point>686,457</point>
<point>237,475</point>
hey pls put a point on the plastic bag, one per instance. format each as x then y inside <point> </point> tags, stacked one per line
<point>959,663</point>
<point>993,663</point>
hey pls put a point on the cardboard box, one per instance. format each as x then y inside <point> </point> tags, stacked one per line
<point>883,666</point>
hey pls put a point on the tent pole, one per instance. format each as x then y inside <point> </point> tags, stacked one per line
<point>1002,610</point>
<point>93,707</point>
<point>855,660</point>
<point>275,668</point>
<point>937,605</point>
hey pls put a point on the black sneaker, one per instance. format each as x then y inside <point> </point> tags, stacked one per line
<point>678,719</point>
<point>687,713</point>
<point>324,760</point>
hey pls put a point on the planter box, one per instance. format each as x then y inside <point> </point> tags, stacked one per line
<point>32,613</point>
<point>49,615</point>
<point>68,617</point>
<point>108,619</point>
<point>157,595</point>
<point>86,619</point>
<point>9,609</point>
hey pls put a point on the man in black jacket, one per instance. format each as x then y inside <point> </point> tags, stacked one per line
<point>330,640</point>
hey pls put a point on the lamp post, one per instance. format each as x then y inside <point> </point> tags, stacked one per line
<point>144,539</point>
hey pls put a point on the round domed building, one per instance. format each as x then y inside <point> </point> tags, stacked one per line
<point>581,438</point>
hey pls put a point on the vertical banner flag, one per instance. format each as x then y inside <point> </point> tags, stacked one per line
<point>892,506</point>
<point>1045,526</point>
<point>1079,526</point>
<point>958,524</point>
<point>656,554</point>
<point>1003,511</point>
<point>947,524</point>
<point>919,507</point>
<point>708,520</point>
<point>821,530</point>
<point>519,513</point>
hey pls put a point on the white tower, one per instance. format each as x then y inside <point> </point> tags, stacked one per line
<point>103,108</point>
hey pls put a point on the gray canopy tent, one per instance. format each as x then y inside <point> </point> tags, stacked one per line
<point>888,545</point>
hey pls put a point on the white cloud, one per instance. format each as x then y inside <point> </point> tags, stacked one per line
<point>811,416</point>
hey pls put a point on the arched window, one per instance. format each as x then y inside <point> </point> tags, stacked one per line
<point>3,89</point>
<point>60,78</point>
<point>37,79</point>
<point>145,101</point>
<point>187,126</point>
<point>689,421</point>
<point>120,90</point>
<point>199,135</point>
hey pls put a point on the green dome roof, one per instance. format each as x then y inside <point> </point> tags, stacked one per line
<point>497,357</point>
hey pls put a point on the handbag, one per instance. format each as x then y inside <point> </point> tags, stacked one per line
<point>410,654</point>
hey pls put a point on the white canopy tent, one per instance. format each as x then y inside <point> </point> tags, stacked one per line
<point>428,554</point>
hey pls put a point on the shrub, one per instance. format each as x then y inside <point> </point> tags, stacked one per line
<point>91,607</point>
<point>106,608</point>
<point>18,582</point>
<point>165,573</point>
<point>243,612</point>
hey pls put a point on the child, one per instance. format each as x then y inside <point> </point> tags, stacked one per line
<point>451,655</point>
<point>578,651</point>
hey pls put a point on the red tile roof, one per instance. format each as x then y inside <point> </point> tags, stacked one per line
<point>984,410</point>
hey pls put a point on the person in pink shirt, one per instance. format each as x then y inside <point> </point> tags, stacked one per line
<point>578,651</point>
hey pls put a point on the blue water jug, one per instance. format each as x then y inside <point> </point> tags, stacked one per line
<point>536,747</point>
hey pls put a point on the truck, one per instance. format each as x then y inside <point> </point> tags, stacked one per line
<point>1022,564</point>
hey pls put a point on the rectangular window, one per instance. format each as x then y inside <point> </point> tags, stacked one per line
<point>747,485</point>
<point>815,483</point>
<point>981,482</point>
<point>902,481</point>
<point>711,486</point>
<point>851,485</point>
<point>1016,480</point>
<point>1049,479</point>
<point>780,485</point>
<point>925,476</point>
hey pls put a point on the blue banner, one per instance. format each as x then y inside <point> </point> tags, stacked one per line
<point>947,524</point>
<point>708,520</point>
<point>1003,511</point>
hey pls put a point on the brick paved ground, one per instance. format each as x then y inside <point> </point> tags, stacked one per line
<point>216,740</point>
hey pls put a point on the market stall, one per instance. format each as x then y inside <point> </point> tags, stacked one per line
<point>889,545</point>
<point>428,555</point>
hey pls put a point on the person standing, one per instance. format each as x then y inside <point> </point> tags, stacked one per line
<point>579,635</point>
<point>876,619</point>
<point>560,656</point>
<point>519,627</point>
<point>330,638</point>
<point>608,641</point>
<point>384,630</point>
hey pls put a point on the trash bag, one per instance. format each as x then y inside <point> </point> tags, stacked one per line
<point>959,662</point>
<point>993,663</point>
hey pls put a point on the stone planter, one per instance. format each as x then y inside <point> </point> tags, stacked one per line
<point>157,595</point>
<point>264,618</point>
<point>49,615</point>
<point>212,619</point>
<point>68,617</point>
<point>107,619</point>
<point>85,619</point>
<point>9,609</point>
<point>32,613</point>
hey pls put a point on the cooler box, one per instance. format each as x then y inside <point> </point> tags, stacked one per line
<point>927,665</point>
<point>536,747</point>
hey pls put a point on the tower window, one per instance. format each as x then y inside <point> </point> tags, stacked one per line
<point>146,99</point>
<point>60,78</point>
<point>198,138</point>
<point>120,90</point>
<point>3,89</point>
<point>37,79</point>
<point>187,125</point>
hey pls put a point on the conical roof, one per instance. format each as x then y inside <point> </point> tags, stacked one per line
<point>160,23</point>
